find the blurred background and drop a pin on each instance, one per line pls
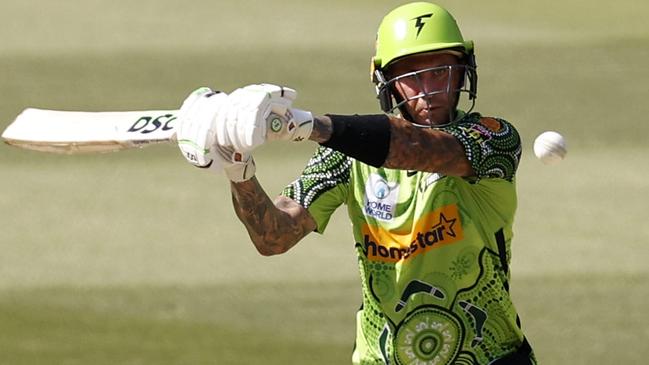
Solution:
(137, 258)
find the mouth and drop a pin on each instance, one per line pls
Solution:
(429, 110)
(431, 115)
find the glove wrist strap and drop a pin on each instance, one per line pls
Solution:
(303, 123)
(241, 172)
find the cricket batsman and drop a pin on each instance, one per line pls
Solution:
(429, 186)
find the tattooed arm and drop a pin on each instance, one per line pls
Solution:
(413, 148)
(273, 227)
(425, 149)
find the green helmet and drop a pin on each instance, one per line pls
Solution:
(414, 28)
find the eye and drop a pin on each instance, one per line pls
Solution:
(438, 72)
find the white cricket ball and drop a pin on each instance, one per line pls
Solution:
(550, 147)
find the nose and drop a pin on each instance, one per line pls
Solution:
(432, 82)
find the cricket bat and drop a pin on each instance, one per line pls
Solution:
(72, 132)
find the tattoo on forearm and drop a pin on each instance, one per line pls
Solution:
(273, 227)
(414, 148)
(322, 129)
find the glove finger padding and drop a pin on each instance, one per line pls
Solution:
(281, 99)
(275, 91)
(195, 133)
(242, 123)
(240, 112)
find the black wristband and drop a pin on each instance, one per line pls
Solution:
(365, 138)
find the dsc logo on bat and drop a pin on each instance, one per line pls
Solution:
(147, 124)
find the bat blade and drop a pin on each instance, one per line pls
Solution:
(71, 132)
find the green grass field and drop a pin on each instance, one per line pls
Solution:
(137, 258)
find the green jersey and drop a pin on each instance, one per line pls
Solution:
(433, 250)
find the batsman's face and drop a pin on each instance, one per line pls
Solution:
(428, 85)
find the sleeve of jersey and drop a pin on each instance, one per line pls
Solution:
(323, 185)
(492, 146)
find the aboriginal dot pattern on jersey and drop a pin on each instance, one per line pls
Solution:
(326, 169)
(373, 321)
(488, 294)
(492, 153)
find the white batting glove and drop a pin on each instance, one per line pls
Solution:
(197, 140)
(258, 113)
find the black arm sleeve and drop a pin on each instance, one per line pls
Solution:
(365, 138)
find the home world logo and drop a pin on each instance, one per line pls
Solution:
(380, 198)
